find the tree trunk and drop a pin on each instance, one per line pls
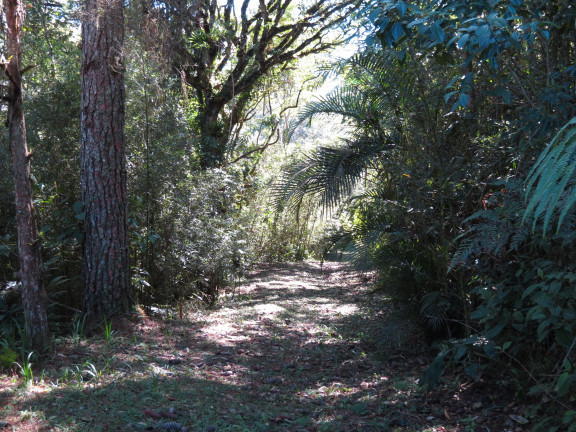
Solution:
(105, 265)
(213, 137)
(33, 293)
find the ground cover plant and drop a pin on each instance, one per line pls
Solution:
(295, 348)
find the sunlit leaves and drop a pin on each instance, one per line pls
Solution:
(401, 7)
(332, 173)
(462, 33)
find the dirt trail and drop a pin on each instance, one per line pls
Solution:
(297, 345)
(300, 347)
(292, 340)
(294, 349)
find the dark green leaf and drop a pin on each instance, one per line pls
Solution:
(564, 383)
(375, 14)
(401, 7)
(397, 31)
(483, 34)
(78, 207)
(437, 33)
(463, 40)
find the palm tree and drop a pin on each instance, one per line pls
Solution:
(369, 104)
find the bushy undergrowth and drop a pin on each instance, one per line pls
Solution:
(285, 236)
(199, 246)
(417, 171)
(523, 304)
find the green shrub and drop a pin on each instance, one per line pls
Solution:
(523, 296)
(200, 245)
(7, 357)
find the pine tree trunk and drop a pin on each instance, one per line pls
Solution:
(105, 266)
(33, 293)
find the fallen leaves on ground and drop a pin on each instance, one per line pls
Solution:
(295, 348)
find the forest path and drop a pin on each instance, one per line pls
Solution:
(292, 350)
(296, 343)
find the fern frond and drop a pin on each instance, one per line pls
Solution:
(552, 179)
(466, 249)
(491, 232)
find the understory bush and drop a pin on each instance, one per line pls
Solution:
(285, 236)
(199, 247)
(524, 303)
(403, 179)
(11, 316)
(433, 181)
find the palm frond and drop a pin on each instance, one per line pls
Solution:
(371, 98)
(398, 330)
(371, 103)
(350, 103)
(434, 310)
(376, 71)
(330, 173)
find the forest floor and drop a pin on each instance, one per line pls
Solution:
(294, 349)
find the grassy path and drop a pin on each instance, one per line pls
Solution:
(291, 351)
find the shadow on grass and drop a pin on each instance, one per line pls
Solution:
(264, 401)
(285, 355)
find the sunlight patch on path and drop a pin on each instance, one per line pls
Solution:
(220, 329)
(269, 308)
(346, 309)
(281, 306)
(327, 308)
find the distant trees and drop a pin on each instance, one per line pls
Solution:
(223, 53)
(29, 247)
(105, 266)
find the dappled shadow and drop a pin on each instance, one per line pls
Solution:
(292, 351)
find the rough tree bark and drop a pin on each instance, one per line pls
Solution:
(105, 265)
(34, 297)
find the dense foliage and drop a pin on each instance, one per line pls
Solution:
(453, 175)
(189, 226)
